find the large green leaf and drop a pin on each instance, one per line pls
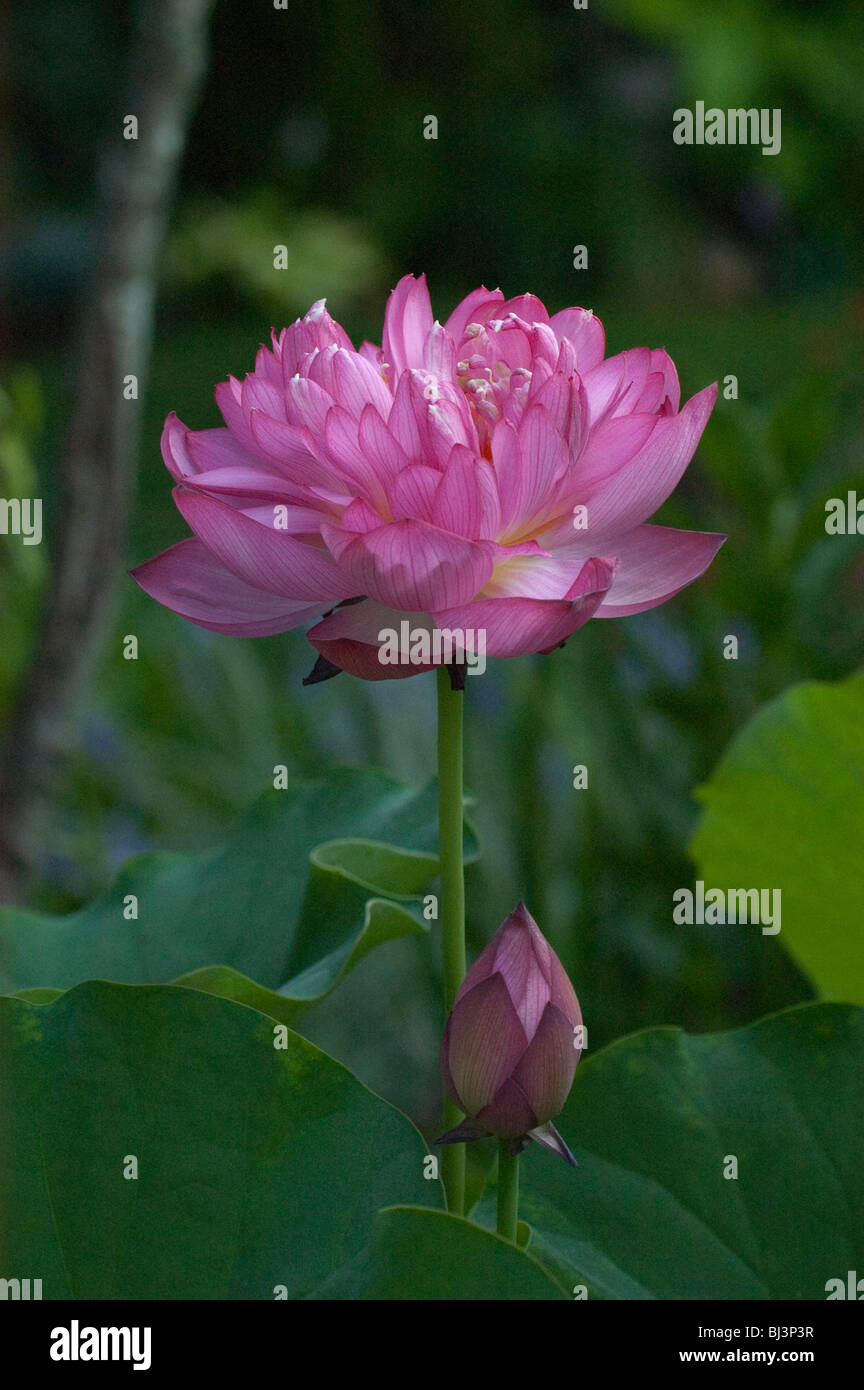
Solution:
(785, 809)
(654, 1119)
(316, 876)
(420, 1254)
(261, 1168)
(257, 1167)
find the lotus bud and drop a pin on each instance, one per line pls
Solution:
(513, 1040)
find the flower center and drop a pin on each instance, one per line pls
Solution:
(494, 389)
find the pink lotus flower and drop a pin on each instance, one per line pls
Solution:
(513, 1040)
(495, 473)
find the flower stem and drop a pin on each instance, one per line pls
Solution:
(508, 1191)
(450, 816)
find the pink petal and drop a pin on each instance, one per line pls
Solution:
(614, 387)
(485, 964)
(297, 521)
(268, 365)
(259, 555)
(662, 362)
(445, 428)
(306, 403)
(527, 307)
(219, 448)
(257, 393)
(505, 553)
(439, 352)
(467, 501)
(412, 493)
(342, 446)
(483, 1042)
(228, 398)
(349, 638)
(563, 995)
(360, 660)
(316, 330)
(528, 475)
(358, 384)
(412, 565)
(441, 417)
(563, 398)
(190, 581)
(289, 447)
(175, 449)
(537, 576)
(295, 344)
(518, 626)
(546, 1069)
(359, 516)
(508, 1114)
(402, 421)
(555, 395)
(638, 487)
(476, 307)
(325, 328)
(382, 449)
(407, 322)
(545, 346)
(609, 445)
(566, 363)
(580, 327)
(653, 393)
(318, 367)
(523, 959)
(246, 482)
(655, 562)
(510, 340)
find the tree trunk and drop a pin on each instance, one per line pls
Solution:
(97, 473)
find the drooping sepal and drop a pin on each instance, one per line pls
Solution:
(548, 1136)
(466, 1133)
(323, 670)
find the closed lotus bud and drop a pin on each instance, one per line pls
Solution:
(513, 1040)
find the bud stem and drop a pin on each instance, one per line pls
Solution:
(450, 820)
(508, 1191)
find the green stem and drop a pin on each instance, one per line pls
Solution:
(508, 1191)
(450, 813)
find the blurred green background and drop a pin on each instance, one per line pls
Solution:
(554, 130)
